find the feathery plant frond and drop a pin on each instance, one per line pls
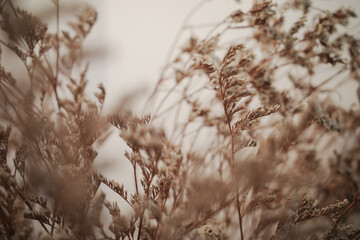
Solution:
(245, 140)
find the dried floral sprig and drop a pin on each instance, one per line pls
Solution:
(220, 156)
(310, 209)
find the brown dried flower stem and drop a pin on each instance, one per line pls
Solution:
(54, 220)
(147, 192)
(57, 51)
(239, 214)
(140, 225)
(228, 119)
(135, 179)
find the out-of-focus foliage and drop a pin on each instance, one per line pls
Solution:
(247, 158)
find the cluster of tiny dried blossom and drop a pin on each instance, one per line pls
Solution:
(52, 128)
(310, 209)
(241, 85)
(262, 143)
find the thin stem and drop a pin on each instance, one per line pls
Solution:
(57, 52)
(54, 220)
(135, 179)
(241, 27)
(183, 98)
(213, 29)
(140, 225)
(204, 25)
(239, 214)
(156, 230)
(232, 162)
(173, 45)
(183, 26)
(57, 39)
